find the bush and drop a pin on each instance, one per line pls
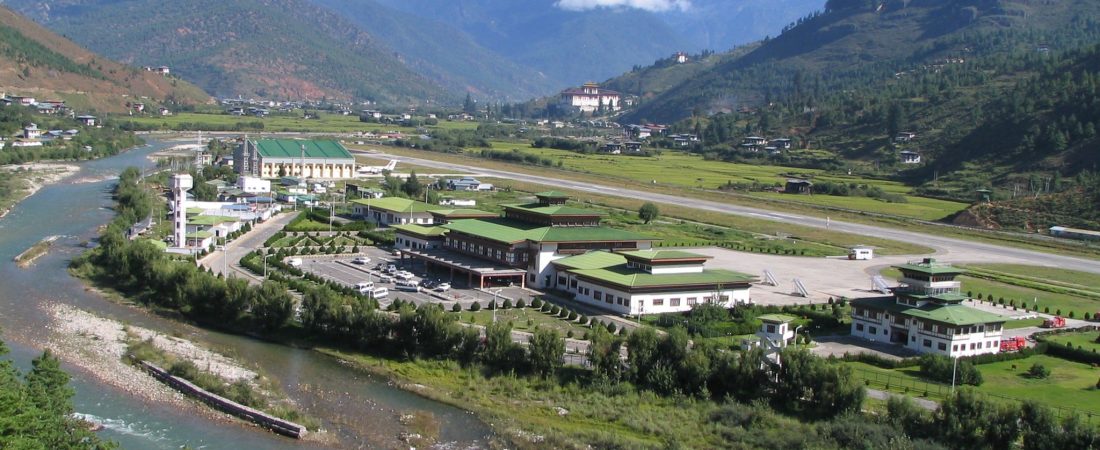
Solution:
(475, 306)
(569, 334)
(555, 310)
(1038, 371)
(520, 304)
(507, 304)
(572, 316)
(536, 303)
(456, 308)
(611, 327)
(941, 368)
(492, 305)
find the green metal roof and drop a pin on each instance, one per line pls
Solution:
(511, 231)
(463, 212)
(659, 255)
(397, 204)
(591, 260)
(554, 210)
(210, 220)
(622, 276)
(420, 230)
(781, 318)
(292, 148)
(552, 194)
(200, 235)
(952, 314)
(194, 210)
(930, 267)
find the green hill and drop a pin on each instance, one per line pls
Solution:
(265, 48)
(39, 63)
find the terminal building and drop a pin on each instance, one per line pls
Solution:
(926, 314)
(551, 245)
(275, 158)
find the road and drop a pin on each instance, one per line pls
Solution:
(241, 246)
(952, 249)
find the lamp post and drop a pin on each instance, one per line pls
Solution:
(954, 368)
(225, 259)
(265, 263)
(495, 305)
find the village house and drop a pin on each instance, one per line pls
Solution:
(88, 121)
(31, 131)
(681, 57)
(909, 157)
(905, 136)
(798, 186)
(926, 314)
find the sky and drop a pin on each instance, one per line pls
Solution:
(648, 5)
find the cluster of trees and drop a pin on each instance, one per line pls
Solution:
(943, 369)
(857, 190)
(36, 409)
(516, 156)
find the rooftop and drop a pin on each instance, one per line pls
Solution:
(552, 194)
(554, 210)
(420, 230)
(952, 314)
(512, 231)
(292, 148)
(611, 268)
(929, 266)
(778, 318)
(210, 220)
(397, 204)
(664, 255)
(464, 213)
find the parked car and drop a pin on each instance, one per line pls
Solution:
(406, 286)
(360, 260)
(391, 269)
(403, 275)
(294, 262)
(385, 279)
(443, 287)
(379, 292)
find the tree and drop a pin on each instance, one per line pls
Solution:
(546, 350)
(273, 307)
(412, 186)
(603, 354)
(648, 212)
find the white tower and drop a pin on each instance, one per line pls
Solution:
(181, 183)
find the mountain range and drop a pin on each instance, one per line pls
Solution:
(38, 63)
(404, 51)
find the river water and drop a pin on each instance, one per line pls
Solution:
(360, 411)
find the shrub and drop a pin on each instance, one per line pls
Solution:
(536, 303)
(569, 334)
(492, 305)
(555, 310)
(1038, 371)
(475, 306)
(572, 315)
(1071, 314)
(563, 313)
(520, 304)
(611, 327)
(507, 304)
(941, 368)
(456, 308)
(582, 319)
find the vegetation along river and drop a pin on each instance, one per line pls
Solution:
(360, 411)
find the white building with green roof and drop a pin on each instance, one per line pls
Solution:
(649, 281)
(926, 314)
(388, 211)
(274, 158)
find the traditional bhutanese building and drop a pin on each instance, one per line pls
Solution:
(590, 97)
(273, 158)
(519, 246)
(926, 314)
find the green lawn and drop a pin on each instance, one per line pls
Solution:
(690, 170)
(1071, 384)
(520, 317)
(1086, 340)
(1053, 274)
(1014, 324)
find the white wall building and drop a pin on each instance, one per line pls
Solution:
(253, 185)
(590, 97)
(926, 315)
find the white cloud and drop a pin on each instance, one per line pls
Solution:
(648, 5)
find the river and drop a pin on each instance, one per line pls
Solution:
(361, 411)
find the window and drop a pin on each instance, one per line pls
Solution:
(674, 302)
(859, 327)
(941, 346)
(771, 328)
(597, 295)
(692, 301)
(955, 348)
(626, 302)
(873, 330)
(573, 283)
(561, 279)
(658, 302)
(928, 343)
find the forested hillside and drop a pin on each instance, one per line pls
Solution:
(266, 48)
(36, 62)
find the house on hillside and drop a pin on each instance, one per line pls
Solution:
(905, 136)
(681, 57)
(31, 131)
(88, 121)
(798, 186)
(590, 98)
(909, 157)
(781, 143)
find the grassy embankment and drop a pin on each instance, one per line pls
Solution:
(1049, 290)
(786, 203)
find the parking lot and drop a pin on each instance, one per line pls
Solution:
(347, 271)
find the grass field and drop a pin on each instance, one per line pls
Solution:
(1086, 340)
(1071, 385)
(1024, 323)
(520, 318)
(692, 171)
(1053, 274)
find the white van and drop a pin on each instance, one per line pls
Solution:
(403, 275)
(406, 286)
(294, 262)
(379, 293)
(364, 287)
